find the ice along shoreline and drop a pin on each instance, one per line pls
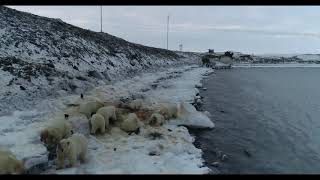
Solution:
(175, 152)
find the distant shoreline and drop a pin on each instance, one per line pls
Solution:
(284, 65)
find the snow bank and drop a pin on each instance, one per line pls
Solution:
(116, 152)
(189, 116)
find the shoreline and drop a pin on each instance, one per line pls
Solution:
(175, 85)
(196, 131)
(285, 65)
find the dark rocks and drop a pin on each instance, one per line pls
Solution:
(224, 157)
(154, 86)
(26, 70)
(198, 86)
(154, 153)
(155, 135)
(72, 86)
(22, 88)
(137, 131)
(36, 165)
(11, 81)
(145, 89)
(247, 153)
(106, 75)
(81, 78)
(215, 164)
(51, 65)
(66, 116)
(75, 67)
(95, 74)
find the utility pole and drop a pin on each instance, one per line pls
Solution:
(168, 33)
(101, 17)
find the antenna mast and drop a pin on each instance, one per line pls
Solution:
(101, 17)
(168, 33)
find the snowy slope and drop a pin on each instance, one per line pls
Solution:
(42, 57)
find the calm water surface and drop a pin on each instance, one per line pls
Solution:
(267, 120)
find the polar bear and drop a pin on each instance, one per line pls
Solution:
(9, 164)
(71, 148)
(168, 110)
(57, 130)
(156, 119)
(97, 122)
(108, 113)
(89, 108)
(144, 115)
(121, 113)
(136, 104)
(130, 123)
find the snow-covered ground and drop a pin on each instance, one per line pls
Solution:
(117, 152)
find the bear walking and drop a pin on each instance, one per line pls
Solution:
(71, 148)
(97, 121)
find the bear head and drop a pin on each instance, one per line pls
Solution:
(47, 136)
(64, 145)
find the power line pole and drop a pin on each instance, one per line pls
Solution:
(168, 33)
(101, 17)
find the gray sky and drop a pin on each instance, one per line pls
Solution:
(247, 29)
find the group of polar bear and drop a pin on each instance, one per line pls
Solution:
(60, 138)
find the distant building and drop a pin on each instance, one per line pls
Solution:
(211, 51)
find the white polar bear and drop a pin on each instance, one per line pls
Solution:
(89, 108)
(57, 130)
(130, 123)
(136, 104)
(168, 110)
(108, 113)
(9, 164)
(156, 119)
(121, 113)
(97, 122)
(71, 148)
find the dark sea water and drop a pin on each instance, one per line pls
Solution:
(267, 120)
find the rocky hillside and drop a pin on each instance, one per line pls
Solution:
(41, 57)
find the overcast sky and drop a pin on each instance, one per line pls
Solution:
(248, 29)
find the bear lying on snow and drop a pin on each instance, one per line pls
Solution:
(97, 121)
(9, 164)
(156, 119)
(130, 123)
(168, 110)
(136, 104)
(71, 148)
